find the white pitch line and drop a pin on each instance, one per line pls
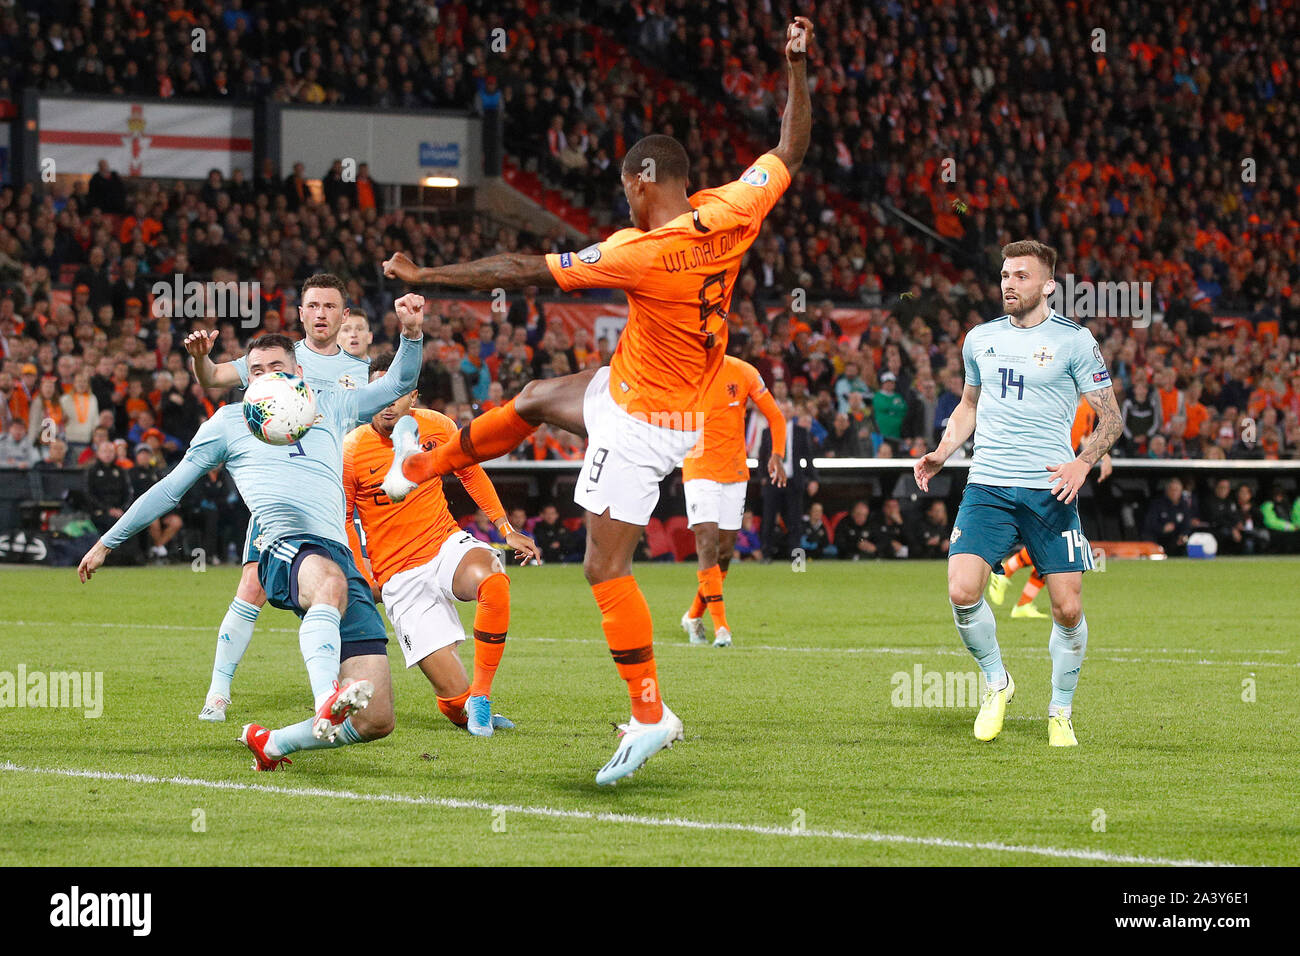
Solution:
(452, 803)
(659, 645)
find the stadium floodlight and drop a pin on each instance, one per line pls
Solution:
(443, 182)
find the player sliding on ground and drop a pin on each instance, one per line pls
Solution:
(1024, 374)
(714, 477)
(424, 562)
(644, 412)
(322, 311)
(295, 493)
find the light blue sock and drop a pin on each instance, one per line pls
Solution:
(1067, 646)
(979, 632)
(232, 642)
(286, 740)
(318, 638)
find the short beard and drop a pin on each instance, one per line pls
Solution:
(1025, 307)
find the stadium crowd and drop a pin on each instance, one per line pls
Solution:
(1114, 156)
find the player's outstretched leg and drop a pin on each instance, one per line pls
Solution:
(1067, 645)
(232, 642)
(371, 720)
(967, 574)
(498, 431)
(625, 619)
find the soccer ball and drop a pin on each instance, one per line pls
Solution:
(279, 408)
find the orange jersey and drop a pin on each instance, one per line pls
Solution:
(406, 535)
(720, 453)
(1084, 421)
(678, 279)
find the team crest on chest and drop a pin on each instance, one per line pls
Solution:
(1043, 356)
(348, 381)
(732, 389)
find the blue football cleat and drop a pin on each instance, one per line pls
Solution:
(479, 712)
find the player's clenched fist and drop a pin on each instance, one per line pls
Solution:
(401, 267)
(798, 38)
(410, 312)
(199, 344)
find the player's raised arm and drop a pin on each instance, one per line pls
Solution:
(796, 122)
(507, 271)
(206, 372)
(405, 370)
(961, 425)
(207, 451)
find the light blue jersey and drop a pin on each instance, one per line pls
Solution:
(1030, 381)
(319, 371)
(290, 489)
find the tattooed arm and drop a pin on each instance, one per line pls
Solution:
(1108, 428)
(508, 271)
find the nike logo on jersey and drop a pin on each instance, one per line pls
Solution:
(373, 470)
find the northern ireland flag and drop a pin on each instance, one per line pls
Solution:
(146, 138)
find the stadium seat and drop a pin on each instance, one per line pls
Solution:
(833, 522)
(676, 523)
(657, 538)
(573, 524)
(683, 544)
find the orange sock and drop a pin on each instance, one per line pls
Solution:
(454, 708)
(697, 606)
(625, 619)
(1017, 561)
(491, 621)
(1032, 587)
(491, 435)
(711, 588)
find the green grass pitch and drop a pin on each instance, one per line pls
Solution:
(795, 752)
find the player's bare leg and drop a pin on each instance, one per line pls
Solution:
(377, 719)
(1067, 645)
(625, 619)
(968, 575)
(480, 577)
(706, 551)
(498, 431)
(323, 592)
(232, 642)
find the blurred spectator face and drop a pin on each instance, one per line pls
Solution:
(860, 512)
(17, 429)
(517, 518)
(550, 515)
(1174, 490)
(105, 453)
(355, 336)
(1222, 488)
(816, 512)
(937, 512)
(1245, 497)
(1159, 446)
(57, 453)
(841, 423)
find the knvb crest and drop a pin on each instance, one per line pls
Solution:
(732, 390)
